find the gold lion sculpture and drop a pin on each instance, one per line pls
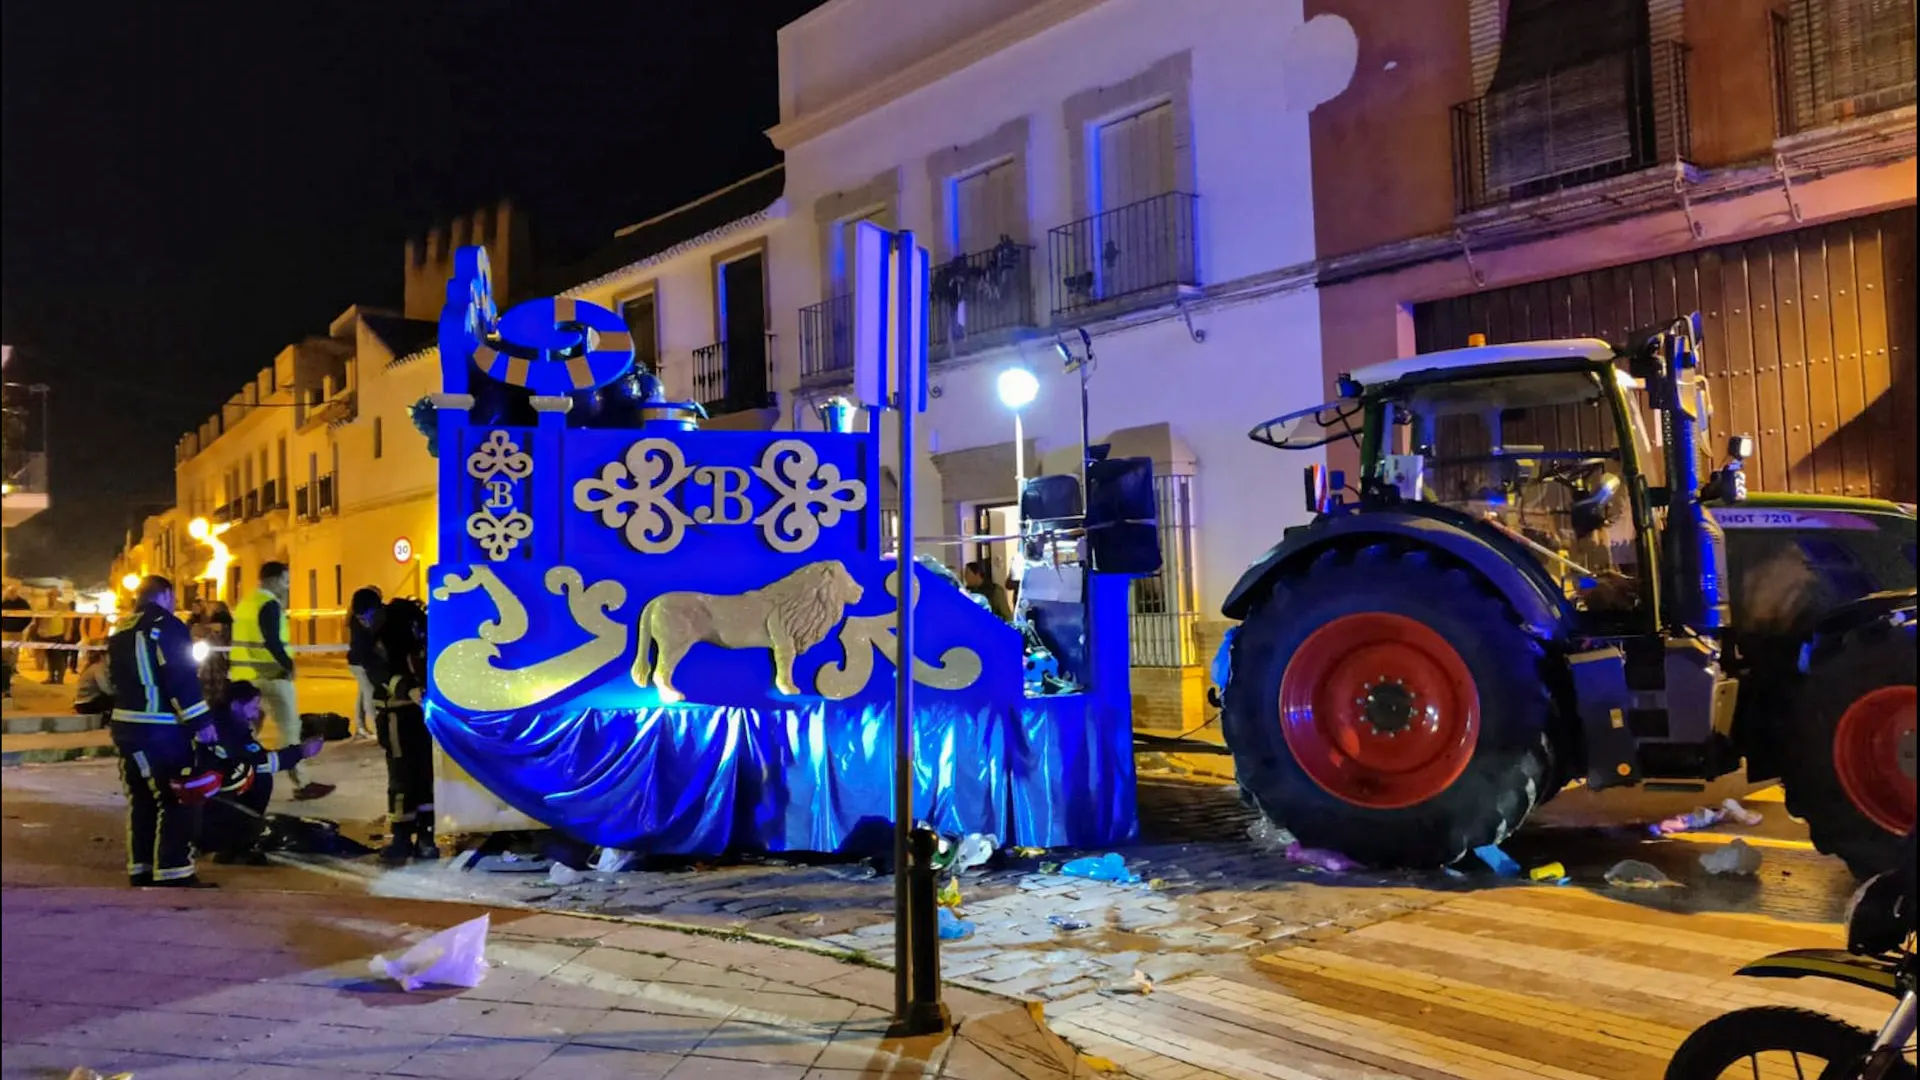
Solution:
(789, 617)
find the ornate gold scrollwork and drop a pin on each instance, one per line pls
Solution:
(653, 524)
(792, 469)
(500, 465)
(863, 635)
(465, 673)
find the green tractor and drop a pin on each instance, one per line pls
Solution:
(1531, 585)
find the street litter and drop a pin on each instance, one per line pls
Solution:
(1705, 817)
(975, 849)
(1331, 861)
(1501, 863)
(610, 860)
(562, 874)
(1108, 867)
(81, 1072)
(1552, 874)
(456, 956)
(1268, 835)
(949, 894)
(1634, 874)
(509, 863)
(1738, 858)
(1026, 852)
(1138, 984)
(1068, 922)
(953, 927)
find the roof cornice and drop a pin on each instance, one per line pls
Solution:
(925, 72)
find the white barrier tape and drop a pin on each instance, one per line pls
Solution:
(55, 647)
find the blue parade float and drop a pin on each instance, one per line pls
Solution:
(675, 641)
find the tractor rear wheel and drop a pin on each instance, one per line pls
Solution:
(1849, 767)
(1388, 706)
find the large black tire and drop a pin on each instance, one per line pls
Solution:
(1511, 762)
(1729, 1040)
(1840, 672)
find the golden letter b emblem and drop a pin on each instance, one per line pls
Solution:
(730, 504)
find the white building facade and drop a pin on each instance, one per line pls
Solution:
(1126, 167)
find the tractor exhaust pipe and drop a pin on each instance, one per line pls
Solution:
(1692, 547)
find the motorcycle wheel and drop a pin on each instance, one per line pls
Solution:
(1742, 1036)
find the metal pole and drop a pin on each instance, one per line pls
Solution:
(1014, 564)
(903, 636)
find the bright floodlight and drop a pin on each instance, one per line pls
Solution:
(1018, 388)
(201, 650)
(131, 582)
(198, 528)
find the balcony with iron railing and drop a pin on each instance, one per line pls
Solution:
(1611, 116)
(326, 497)
(826, 340)
(253, 505)
(303, 502)
(272, 497)
(981, 299)
(1133, 255)
(1841, 60)
(734, 377)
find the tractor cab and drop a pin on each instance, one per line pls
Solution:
(1554, 447)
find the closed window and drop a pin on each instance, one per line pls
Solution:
(987, 205)
(1134, 158)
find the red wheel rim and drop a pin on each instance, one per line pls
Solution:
(1873, 755)
(1379, 710)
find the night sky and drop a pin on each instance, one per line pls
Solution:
(189, 188)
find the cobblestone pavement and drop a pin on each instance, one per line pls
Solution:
(1218, 915)
(276, 986)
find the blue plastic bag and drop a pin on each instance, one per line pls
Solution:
(1108, 867)
(953, 927)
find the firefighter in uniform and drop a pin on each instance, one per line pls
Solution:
(235, 823)
(158, 717)
(399, 673)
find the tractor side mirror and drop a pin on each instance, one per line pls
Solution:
(1740, 447)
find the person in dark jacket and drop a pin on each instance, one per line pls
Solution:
(236, 819)
(362, 613)
(400, 683)
(158, 717)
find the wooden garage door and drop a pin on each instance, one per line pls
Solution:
(1810, 342)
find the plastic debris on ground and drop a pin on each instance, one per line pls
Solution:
(1501, 863)
(1026, 852)
(561, 874)
(1332, 862)
(1108, 867)
(456, 956)
(974, 850)
(949, 894)
(953, 927)
(1634, 874)
(81, 1072)
(1738, 858)
(1268, 835)
(610, 860)
(1740, 815)
(1068, 922)
(1700, 817)
(1552, 873)
(1138, 984)
(509, 863)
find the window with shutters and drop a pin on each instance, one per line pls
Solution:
(1838, 60)
(1140, 239)
(988, 206)
(1134, 158)
(986, 284)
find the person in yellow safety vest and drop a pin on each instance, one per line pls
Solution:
(260, 657)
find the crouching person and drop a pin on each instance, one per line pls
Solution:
(234, 821)
(399, 674)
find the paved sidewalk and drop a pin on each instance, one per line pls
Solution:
(275, 986)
